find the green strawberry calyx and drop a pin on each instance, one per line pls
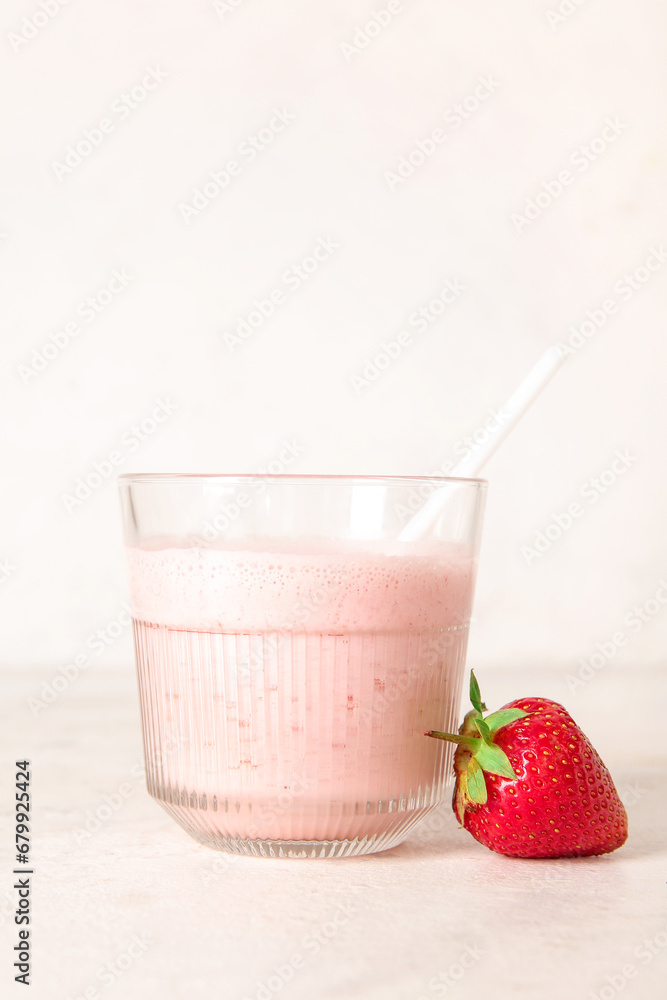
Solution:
(476, 751)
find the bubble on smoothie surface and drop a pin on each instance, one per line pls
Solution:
(305, 585)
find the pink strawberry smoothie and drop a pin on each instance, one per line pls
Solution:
(286, 686)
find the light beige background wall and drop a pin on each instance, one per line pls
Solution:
(558, 104)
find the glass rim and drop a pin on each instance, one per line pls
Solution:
(308, 479)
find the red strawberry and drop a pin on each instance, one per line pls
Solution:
(529, 784)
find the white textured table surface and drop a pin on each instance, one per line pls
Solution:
(136, 909)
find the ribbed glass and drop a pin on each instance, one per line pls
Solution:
(293, 644)
(298, 744)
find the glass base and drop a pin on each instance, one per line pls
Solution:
(211, 835)
(309, 849)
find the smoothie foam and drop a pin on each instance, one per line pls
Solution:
(260, 587)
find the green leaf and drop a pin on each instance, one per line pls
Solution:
(475, 782)
(503, 717)
(483, 730)
(494, 760)
(475, 694)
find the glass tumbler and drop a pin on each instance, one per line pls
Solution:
(292, 649)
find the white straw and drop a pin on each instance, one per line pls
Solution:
(507, 419)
